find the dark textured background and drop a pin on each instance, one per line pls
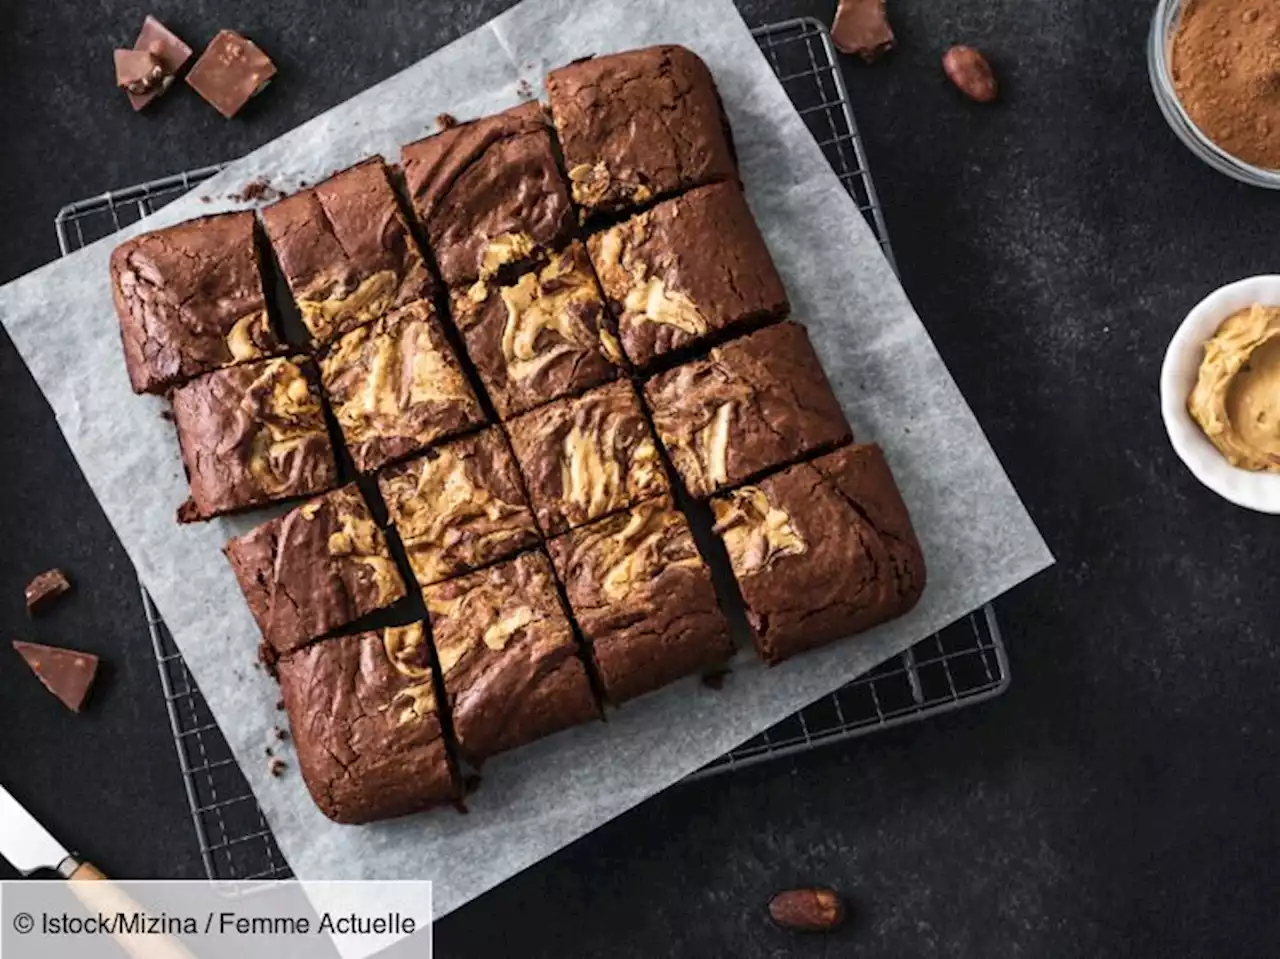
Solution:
(1120, 800)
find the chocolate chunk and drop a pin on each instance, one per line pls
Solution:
(276, 767)
(66, 673)
(45, 588)
(862, 27)
(230, 72)
(138, 71)
(167, 47)
(444, 121)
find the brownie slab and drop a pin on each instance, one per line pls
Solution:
(396, 386)
(542, 337)
(752, 405)
(587, 457)
(685, 270)
(510, 662)
(638, 125)
(314, 570)
(459, 506)
(821, 551)
(346, 252)
(189, 299)
(252, 434)
(488, 193)
(366, 725)
(643, 597)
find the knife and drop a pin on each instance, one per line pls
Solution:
(29, 847)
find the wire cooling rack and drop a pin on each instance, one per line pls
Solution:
(958, 666)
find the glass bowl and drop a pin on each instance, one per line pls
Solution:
(1160, 65)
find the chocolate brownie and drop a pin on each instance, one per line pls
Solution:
(488, 193)
(366, 725)
(542, 337)
(587, 457)
(190, 300)
(638, 125)
(510, 662)
(752, 405)
(821, 551)
(252, 434)
(685, 270)
(396, 386)
(458, 507)
(315, 569)
(346, 252)
(643, 597)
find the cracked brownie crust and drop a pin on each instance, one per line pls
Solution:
(315, 569)
(189, 299)
(638, 125)
(509, 659)
(346, 251)
(366, 725)
(587, 457)
(542, 337)
(753, 404)
(459, 507)
(396, 387)
(821, 551)
(685, 270)
(643, 597)
(252, 434)
(488, 193)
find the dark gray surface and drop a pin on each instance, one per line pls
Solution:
(1120, 800)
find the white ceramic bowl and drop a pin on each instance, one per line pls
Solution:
(1257, 491)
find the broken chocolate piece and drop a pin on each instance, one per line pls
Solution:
(138, 71)
(231, 71)
(45, 588)
(862, 27)
(167, 47)
(276, 767)
(66, 673)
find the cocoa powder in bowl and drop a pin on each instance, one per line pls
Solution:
(1226, 71)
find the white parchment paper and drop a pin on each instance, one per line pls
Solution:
(978, 539)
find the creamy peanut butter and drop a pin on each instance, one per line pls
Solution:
(283, 399)
(327, 308)
(756, 533)
(403, 646)
(1236, 399)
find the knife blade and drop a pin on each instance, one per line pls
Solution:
(24, 842)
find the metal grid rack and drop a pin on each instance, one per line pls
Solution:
(956, 667)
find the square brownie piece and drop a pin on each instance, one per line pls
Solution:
(488, 193)
(315, 569)
(346, 251)
(542, 337)
(190, 300)
(821, 551)
(252, 434)
(643, 597)
(752, 405)
(459, 507)
(639, 125)
(509, 658)
(396, 386)
(366, 725)
(587, 457)
(688, 269)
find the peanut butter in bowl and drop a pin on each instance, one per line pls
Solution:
(1236, 398)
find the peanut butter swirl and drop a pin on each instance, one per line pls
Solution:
(405, 647)
(286, 418)
(755, 532)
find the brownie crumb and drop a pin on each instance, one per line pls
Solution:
(524, 91)
(268, 751)
(446, 120)
(259, 189)
(206, 199)
(166, 415)
(276, 767)
(280, 705)
(280, 734)
(715, 679)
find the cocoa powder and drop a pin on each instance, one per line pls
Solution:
(1226, 71)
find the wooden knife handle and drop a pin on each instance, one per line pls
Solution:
(100, 895)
